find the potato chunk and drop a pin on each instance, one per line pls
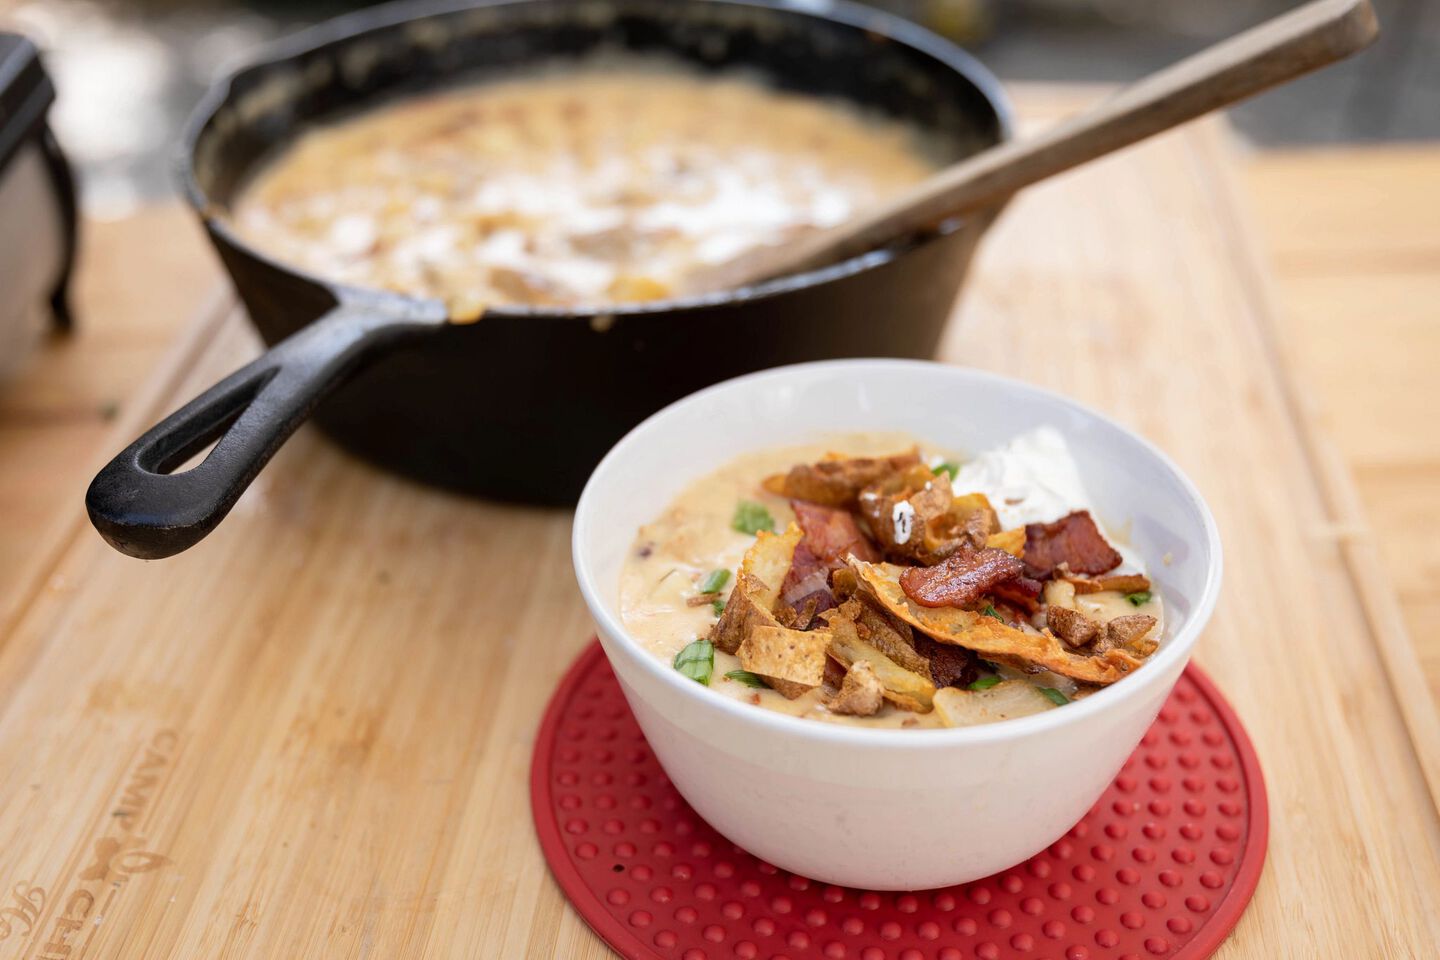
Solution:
(1004, 701)
(757, 588)
(904, 688)
(861, 694)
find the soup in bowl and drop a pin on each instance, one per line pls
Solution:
(868, 800)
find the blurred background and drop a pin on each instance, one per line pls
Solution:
(128, 71)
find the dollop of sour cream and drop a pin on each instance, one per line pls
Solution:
(902, 516)
(1032, 478)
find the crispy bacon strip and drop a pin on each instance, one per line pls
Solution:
(961, 580)
(805, 590)
(1073, 540)
(831, 534)
(987, 636)
(801, 616)
(950, 666)
(1022, 593)
(837, 482)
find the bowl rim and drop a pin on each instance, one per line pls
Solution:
(397, 13)
(1176, 649)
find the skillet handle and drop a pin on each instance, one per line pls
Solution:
(144, 509)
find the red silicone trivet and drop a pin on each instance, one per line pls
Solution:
(1163, 865)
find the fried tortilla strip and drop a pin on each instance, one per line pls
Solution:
(961, 579)
(1123, 582)
(837, 481)
(1074, 540)
(987, 636)
(757, 588)
(861, 693)
(791, 661)
(904, 688)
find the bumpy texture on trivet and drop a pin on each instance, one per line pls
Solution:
(1162, 866)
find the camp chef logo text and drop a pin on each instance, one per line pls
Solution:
(57, 922)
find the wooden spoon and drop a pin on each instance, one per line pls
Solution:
(1278, 50)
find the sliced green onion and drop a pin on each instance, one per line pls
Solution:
(751, 517)
(984, 683)
(718, 606)
(1138, 599)
(697, 661)
(715, 581)
(1054, 696)
(990, 611)
(745, 677)
(950, 467)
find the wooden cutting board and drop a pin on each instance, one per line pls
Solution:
(309, 736)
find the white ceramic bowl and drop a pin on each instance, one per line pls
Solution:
(891, 809)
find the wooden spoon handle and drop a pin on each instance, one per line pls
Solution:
(1278, 50)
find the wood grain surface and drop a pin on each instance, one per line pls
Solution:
(1353, 238)
(140, 281)
(309, 736)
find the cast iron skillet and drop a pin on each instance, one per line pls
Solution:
(522, 404)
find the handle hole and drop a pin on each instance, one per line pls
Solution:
(195, 459)
(187, 448)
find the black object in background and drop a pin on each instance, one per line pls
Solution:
(38, 226)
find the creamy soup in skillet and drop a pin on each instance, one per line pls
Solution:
(874, 580)
(591, 186)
